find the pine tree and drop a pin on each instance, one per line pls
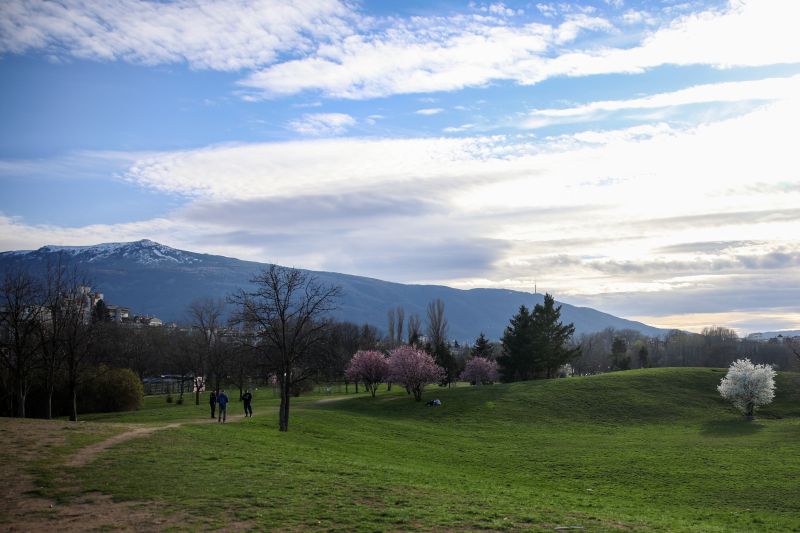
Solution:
(516, 363)
(551, 337)
(536, 344)
(482, 348)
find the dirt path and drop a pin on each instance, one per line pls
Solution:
(86, 455)
(24, 506)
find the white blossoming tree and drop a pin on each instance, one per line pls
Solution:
(748, 386)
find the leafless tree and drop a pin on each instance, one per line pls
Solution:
(77, 332)
(414, 329)
(286, 310)
(391, 323)
(51, 328)
(793, 344)
(20, 314)
(206, 316)
(401, 315)
(437, 323)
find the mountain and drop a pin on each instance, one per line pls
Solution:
(153, 279)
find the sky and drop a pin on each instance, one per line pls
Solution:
(641, 158)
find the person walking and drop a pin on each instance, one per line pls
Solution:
(247, 398)
(222, 400)
(212, 401)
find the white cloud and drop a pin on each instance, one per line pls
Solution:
(327, 46)
(429, 111)
(422, 55)
(458, 129)
(470, 54)
(210, 34)
(318, 124)
(740, 91)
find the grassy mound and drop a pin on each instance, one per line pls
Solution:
(641, 450)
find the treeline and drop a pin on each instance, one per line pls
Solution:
(611, 349)
(61, 354)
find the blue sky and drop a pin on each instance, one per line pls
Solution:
(637, 157)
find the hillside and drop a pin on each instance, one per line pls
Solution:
(645, 450)
(153, 279)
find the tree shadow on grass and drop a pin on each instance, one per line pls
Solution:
(731, 428)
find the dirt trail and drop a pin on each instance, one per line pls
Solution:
(86, 455)
(23, 506)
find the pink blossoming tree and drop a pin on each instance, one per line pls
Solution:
(370, 368)
(479, 370)
(413, 369)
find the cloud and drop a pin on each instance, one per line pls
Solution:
(318, 124)
(741, 91)
(206, 34)
(330, 47)
(420, 55)
(429, 111)
(458, 129)
(618, 219)
(428, 56)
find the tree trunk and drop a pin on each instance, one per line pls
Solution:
(21, 396)
(50, 401)
(417, 393)
(73, 416)
(283, 416)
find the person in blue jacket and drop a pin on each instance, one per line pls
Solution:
(222, 400)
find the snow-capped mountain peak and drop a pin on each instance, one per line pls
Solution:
(144, 252)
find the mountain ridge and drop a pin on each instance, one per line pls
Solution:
(155, 279)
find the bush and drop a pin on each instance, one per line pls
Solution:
(107, 389)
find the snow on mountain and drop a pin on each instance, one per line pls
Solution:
(144, 252)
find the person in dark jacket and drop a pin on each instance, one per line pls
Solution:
(247, 398)
(212, 401)
(222, 400)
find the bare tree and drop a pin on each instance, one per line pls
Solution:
(20, 314)
(401, 315)
(391, 322)
(437, 323)
(793, 343)
(207, 321)
(77, 333)
(414, 329)
(50, 328)
(286, 312)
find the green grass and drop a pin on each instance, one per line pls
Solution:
(641, 450)
(156, 409)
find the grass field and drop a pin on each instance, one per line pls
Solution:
(654, 450)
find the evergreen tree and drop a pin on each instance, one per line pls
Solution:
(483, 348)
(536, 343)
(516, 363)
(552, 337)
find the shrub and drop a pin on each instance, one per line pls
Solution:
(111, 390)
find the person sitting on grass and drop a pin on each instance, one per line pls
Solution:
(247, 398)
(222, 400)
